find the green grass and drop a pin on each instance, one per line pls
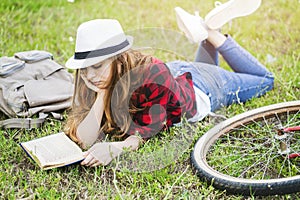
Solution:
(51, 25)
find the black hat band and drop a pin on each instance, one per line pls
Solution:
(100, 52)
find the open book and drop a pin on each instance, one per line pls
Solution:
(53, 151)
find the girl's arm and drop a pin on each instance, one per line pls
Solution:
(102, 153)
(88, 129)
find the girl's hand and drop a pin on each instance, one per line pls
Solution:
(102, 154)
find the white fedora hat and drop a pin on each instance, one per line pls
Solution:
(98, 40)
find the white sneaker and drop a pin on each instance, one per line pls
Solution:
(223, 13)
(191, 25)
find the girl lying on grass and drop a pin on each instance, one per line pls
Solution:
(124, 93)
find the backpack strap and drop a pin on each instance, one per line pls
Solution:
(27, 123)
(10, 65)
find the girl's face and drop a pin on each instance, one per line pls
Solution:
(94, 76)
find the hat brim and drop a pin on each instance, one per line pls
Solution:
(73, 63)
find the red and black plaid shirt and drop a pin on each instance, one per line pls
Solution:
(163, 100)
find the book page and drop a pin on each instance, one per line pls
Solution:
(56, 149)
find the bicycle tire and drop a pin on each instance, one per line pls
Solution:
(244, 186)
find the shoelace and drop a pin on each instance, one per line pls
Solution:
(217, 3)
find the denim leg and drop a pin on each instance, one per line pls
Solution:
(224, 87)
(250, 78)
(207, 53)
(239, 87)
(240, 60)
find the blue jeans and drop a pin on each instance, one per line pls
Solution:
(249, 77)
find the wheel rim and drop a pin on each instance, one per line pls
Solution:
(251, 154)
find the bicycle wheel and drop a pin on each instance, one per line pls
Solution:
(243, 154)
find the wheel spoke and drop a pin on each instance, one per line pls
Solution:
(252, 148)
(254, 144)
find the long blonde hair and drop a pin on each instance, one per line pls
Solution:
(119, 87)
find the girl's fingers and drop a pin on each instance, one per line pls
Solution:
(87, 160)
(92, 162)
(85, 154)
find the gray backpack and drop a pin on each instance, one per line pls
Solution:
(31, 83)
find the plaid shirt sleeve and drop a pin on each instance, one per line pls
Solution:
(162, 101)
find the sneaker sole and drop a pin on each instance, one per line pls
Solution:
(233, 9)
